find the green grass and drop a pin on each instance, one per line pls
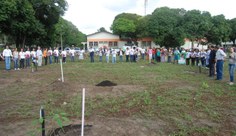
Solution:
(176, 94)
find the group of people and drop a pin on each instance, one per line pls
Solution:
(212, 58)
(26, 58)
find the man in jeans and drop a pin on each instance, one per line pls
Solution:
(220, 56)
(7, 56)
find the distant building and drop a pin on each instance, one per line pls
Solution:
(107, 39)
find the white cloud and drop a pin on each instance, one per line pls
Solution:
(90, 15)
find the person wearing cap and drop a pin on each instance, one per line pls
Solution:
(7, 54)
(220, 56)
(232, 65)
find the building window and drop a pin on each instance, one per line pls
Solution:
(144, 43)
(115, 44)
(149, 43)
(90, 43)
(95, 43)
(110, 44)
(101, 42)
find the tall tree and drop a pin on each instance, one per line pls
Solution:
(102, 29)
(220, 31)
(165, 27)
(197, 24)
(232, 36)
(69, 32)
(125, 25)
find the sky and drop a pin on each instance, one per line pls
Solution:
(90, 15)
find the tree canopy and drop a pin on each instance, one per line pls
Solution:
(169, 27)
(31, 22)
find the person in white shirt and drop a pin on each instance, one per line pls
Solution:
(208, 57)
(81, 54)
(50, 55)
(220, 56)
(203, 57)
(56, 55)
(114, 56)
(22, 58)
(39, 55)
(7, 54)
(33, 57)
(188, 54)
(107, 52)
(91, 53)
(127, 54)
(143, 53)
(63, 54)
(72, 54)
(27, 58)
(131, 55)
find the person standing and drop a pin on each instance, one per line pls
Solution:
(203, 57)
(188, 54)
(150, 54)
(22, 58)
(56, 55)
(232, 65)
(114, 56)
(127, 54)
(39, 55)
(91, 53)
(143, 53)
(27, 58)
(81, 54)
(100, 54)
(121, 55)
(72, 54)
(212, 62)
(220, 56)
(169, 53)
(107, 52)
(131, 55)
(16, 59)
(63, 54)
(45, 56)
(176, 56)
(7, 54)
(50, 55)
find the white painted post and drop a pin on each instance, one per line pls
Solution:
(83, 107)
(62, 77)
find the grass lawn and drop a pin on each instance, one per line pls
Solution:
(149, 99)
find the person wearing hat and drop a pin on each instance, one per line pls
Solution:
(220, 56)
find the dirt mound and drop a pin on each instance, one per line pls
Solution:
(106, 83)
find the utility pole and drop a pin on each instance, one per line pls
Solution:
(145, 7)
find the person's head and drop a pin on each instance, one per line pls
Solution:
(231, 50)
(7, 47)
(21, 49)
(39, 48)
